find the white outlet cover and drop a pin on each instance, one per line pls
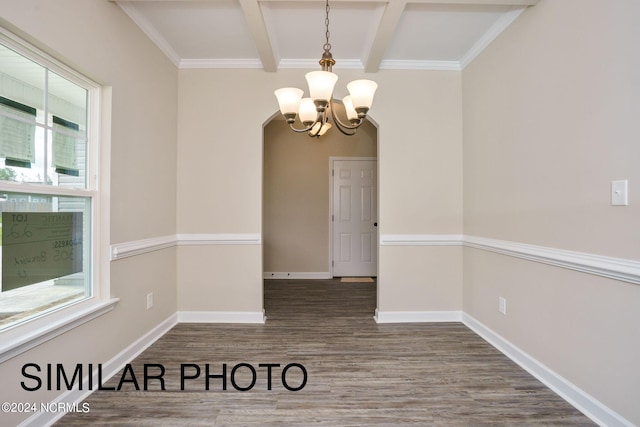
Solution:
(620, 193)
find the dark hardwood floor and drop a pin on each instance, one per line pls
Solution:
(359, 373)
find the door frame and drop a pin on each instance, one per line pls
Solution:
(332, 159)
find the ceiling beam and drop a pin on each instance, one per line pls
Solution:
(258, 29)
(384, 34)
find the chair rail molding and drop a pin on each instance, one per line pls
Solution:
(614, 268)
(138, 247)
(625, 270)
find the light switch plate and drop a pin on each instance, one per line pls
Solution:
(620, 193)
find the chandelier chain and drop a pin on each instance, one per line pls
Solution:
(327, 45)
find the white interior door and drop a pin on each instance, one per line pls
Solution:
(354, 218)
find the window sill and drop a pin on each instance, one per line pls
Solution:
(21, 338)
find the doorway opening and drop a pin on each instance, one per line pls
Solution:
(298, 212)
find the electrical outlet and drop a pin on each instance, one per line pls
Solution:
(149, 300)
(502, 305)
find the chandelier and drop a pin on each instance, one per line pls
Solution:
(314, 111)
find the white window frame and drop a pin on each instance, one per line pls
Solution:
(26, 335)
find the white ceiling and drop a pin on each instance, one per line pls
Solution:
(364, 34)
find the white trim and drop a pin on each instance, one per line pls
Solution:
(304, 64)
(138, 247)
(219, 239)
(625, 270)
(421, 240)
(109, 369)
(49, 190)
(487, 38)
(49, 324)
(582, 401)
(417, 316)
(614, 268)
(37, 54)
(388, 64)
(21, 338)
(351, 64)
(206, 63)
(296, 275)
(102, 205)
(150, 30)
(428, 65)
(221, 317)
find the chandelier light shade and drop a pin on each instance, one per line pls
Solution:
(313, 112)
(289, 99)
(307, 111)
(349, 109)
(361, 92)
(321, 84)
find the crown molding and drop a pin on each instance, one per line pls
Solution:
(354, 64)
(220, 63)
(487, 38)
(306, 64)
(398, 64)
(267, 59)
(150, 31)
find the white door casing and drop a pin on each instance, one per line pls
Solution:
(354, 217)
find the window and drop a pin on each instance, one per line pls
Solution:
(48, 186)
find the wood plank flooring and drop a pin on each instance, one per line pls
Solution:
(359, 373)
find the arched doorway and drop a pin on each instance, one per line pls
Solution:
(296, 216)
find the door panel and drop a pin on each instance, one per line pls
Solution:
(354, 214)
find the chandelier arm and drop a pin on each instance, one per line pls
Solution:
(344, 132)
(307, 129)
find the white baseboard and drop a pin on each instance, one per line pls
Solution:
(221, 317)
(109, 369)
(417, 316)
(296, 275)
(585, 403)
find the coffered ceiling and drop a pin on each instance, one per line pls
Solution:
(364, 34)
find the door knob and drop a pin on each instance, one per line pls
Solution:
(375, 224)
